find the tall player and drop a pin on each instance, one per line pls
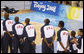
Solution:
(18, 36)
(62, 38)
(7, 39)
(48, 35)
(30, 34)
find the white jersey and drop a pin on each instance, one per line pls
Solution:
(64, 39)
(9, 24)
(2, 33)
(30, 30)
(48, 31)
(19, 29)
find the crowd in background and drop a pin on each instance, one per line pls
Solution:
(71, 3)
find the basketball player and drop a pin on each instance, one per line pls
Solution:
(30, 34)
(7, 39)
(48, 35)
(18, 36)
(62, 39)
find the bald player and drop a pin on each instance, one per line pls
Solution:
(30, 34)
(7, 28)
(18, 36)
(48, 35)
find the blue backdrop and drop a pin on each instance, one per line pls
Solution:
(45, 7)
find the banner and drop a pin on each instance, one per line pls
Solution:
(45, 7)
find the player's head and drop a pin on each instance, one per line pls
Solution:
(16, 19)
(80, 32)
(73, 33)
(46, 21)
(61, 24)
(27, 20)
(6, 15)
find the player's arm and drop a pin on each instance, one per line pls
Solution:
(45, 41)
(33, 41)
(68, 41)
(59, 39)
(53, 38)
(61, 44)
(9, 34)
(42, 36)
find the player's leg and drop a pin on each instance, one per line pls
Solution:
(5, 43)
(10, 44)
(21, 47)
(31, 48)
(44, 47)
(26, 46)
(15, 44)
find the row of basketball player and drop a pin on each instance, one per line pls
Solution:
(18, 36)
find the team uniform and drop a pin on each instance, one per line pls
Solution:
(73, 47)
(63, 36)
(2, 34)
(48, 32)
(80, 44)
(17, 33)
(7, 40)
(30, 34)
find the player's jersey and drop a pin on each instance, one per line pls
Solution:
(7, 25)
(29, 32)
(18, 29)
(63, 36)
(81, 50)
(72, 45)
(48, 32)
(80, 44)
(2, 33)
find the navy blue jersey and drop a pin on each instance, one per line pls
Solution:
(79, 42)
(48, 32)
(72, 45)
(18, 29)
(29, 32)
(63, 36)
(7, 25)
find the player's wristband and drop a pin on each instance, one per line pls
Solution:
(24, 38)
(13, 34)
(4, 31)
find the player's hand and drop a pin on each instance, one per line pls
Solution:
(49, 45)
(21, 40)
(32, 43)
(75, 41)
(65, 50)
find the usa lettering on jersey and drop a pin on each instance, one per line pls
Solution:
(64, 37)
(9, 24)
(30, 30)
(19, 29)
(48, 31)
